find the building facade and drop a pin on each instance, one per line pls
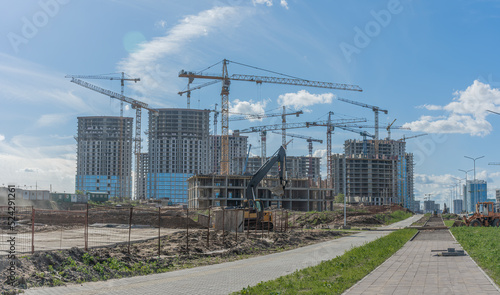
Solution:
(476, 191)
(376, 172)
(178, 149)
(237, 150)
(143, 176)
(104, 155)
(296, 166)
(218, 190)
(458, 206)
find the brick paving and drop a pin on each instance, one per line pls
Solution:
(414, 269)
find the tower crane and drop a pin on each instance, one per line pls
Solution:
(414, 136)
(362, 133)
(137, 105)
(263, 133)
(226, 79)
(310, 141)
(329, 123)
(375, 110)
(389, 129)
(494, 163)
(106, 77)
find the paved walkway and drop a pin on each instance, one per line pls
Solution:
(228, 277)
(414, 269)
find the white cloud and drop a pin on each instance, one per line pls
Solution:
(303, 99)
(466, 114)
(248, 107)
(266, 2)
(147, 61)
(2, 137)
(52, 119)
(284, 4)
(161, 24)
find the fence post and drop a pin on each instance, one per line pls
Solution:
(159, 231)
(130, 227)
(248, 222)
(187, 230)
(223, 228)
(208, 228)
(237, 225)
(269, 223)
(86, 234)
(32, 230)
(281, 220)
(286, 221)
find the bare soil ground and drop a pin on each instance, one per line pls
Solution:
(356, 215)
(59, 267)
(54, 268)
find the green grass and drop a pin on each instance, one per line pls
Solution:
(393, 217)
(483, 245)
(336, 275)
(449, 223)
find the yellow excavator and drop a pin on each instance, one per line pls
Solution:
(256, 217)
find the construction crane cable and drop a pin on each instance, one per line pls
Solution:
(269, 71)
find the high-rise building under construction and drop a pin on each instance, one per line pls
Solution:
(178, 149)
(374, 172)
(104, 155)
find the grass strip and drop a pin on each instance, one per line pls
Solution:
(336, 275)
(449, 223)
(483, 245)
(393, 217)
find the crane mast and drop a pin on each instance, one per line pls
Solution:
(137, 105)
(226, 81)
(375, 110)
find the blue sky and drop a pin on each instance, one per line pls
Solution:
(432, 64)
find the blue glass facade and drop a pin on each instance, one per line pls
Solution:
(173, 186)
(101, 183)
(477, 191)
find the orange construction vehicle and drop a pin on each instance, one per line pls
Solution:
(485, 215)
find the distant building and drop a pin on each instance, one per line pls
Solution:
(457, 206)
(475, 191)
(429, 206)
(104, 155)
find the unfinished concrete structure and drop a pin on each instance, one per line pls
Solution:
(237, 149)
(296, 166)
(219, 190)
(376, 172)
(104, 155)
(178, 149)
(143, 176)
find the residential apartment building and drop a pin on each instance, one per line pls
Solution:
(104, 155)
(178, 149)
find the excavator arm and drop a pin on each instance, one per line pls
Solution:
(279, 157)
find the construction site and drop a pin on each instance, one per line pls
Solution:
(198, 196)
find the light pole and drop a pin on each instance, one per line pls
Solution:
(465, 192)
(474, 159)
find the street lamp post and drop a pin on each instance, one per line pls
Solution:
(465, 192)
(474, 159)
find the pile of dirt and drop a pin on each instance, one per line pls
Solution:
(53, 268)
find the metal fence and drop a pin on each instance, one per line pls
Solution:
(101, 226)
